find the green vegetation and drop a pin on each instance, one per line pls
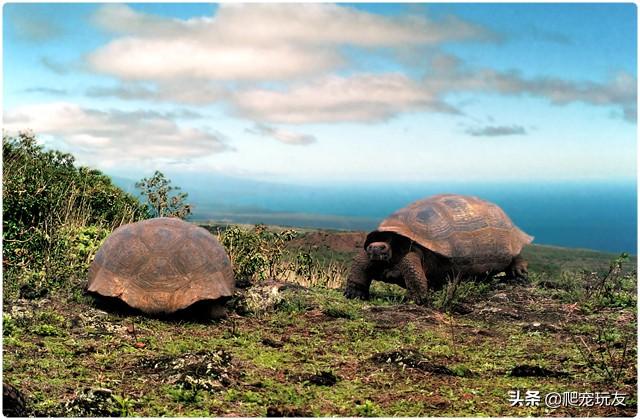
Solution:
(255, 253)
(316, 353)
(457, 290)
(161, 199)
(310, 269)
(54, 216)
(554, 260)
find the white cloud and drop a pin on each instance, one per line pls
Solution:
(378, 97)
(283, 136)
(256, 42)
(328, 24)
(112, 137)
(450, 75)
(226, 58)
(361, 98)
(162, 59)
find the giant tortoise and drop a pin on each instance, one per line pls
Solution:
(439, 236)
(163, 265)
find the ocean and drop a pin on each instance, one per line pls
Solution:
(591, 215)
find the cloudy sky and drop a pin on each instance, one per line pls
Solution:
(324, 92)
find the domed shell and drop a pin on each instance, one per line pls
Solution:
(470, 231)
(161, 265)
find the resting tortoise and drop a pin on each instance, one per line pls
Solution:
(448, 234)
(163, 265)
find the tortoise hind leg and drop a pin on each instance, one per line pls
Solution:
(414, 277)
(518, 269)
(360, 278)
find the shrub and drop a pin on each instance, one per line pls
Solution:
(612, 289)
(50, 204)
(160, 199)
(456, 291)
(304, 265)
(609, 354)
(78, 245)
(312, 270)
(256, 253)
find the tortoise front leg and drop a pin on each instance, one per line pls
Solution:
(518, 269)
(360, 278)
(414, 277)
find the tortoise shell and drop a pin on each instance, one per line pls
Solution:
(475, 234)
(161, 265)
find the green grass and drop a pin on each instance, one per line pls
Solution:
(553, 260)
(58, 350)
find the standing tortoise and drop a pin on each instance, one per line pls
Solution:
(163, 265)
(436, 237)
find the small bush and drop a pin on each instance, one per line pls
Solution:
(256, 254)
(461, 370)
(161, 198)
(75, 249)
(610, 352)
(613, 289)
(386, 294)
(27, 283)
(456, 291)
(71, 256)
(317, 271)
(304, 265)
(124, 404)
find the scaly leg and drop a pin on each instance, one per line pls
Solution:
(518, 269)
(414, 277)
(360, 277)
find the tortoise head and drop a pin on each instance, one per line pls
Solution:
(379, 246)
(382, 246)
(379, 251)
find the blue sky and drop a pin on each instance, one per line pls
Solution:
(327, 93)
